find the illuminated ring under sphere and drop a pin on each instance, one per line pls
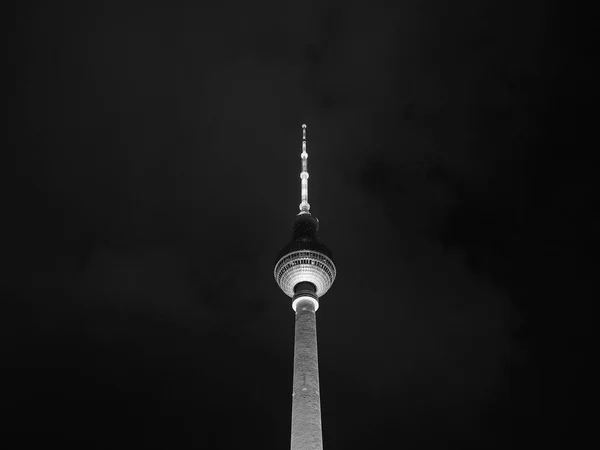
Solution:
(304, 265)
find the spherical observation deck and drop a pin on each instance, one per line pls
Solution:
(305, 259)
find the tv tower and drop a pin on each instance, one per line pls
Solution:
(305, 272)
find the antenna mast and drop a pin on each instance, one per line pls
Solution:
(304, 205)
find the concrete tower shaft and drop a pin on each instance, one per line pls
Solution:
(306, 401)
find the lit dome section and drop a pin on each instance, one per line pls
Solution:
(305, 266)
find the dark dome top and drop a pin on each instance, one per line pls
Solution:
(305, 225)
(304, 237)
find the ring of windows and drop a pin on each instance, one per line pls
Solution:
(312, 266)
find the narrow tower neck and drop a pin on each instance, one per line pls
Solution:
(304, 205)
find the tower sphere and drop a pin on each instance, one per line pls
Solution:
(304, 259)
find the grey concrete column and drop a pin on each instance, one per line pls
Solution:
(306, 403)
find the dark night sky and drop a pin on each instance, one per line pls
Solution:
(157, 158)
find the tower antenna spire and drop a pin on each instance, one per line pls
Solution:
(304, 205)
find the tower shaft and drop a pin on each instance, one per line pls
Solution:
(306, 403)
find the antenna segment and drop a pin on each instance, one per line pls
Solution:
(304, 205)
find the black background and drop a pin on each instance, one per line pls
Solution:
(157, 157)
